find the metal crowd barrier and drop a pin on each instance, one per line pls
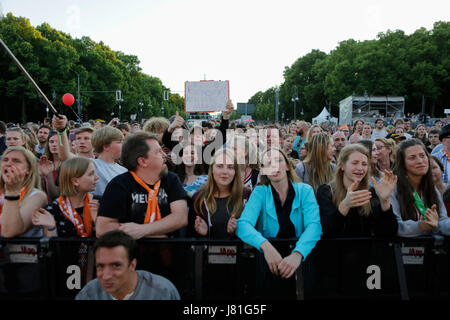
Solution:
(398, 268)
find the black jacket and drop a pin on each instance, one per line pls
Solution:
(378, 224)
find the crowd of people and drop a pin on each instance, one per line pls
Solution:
(222, 179)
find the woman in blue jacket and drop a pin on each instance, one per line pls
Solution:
(281, 208)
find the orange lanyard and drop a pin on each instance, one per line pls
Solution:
(446, 154)
(152, 214)
(83, 226)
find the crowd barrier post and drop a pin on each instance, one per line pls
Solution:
(401, 272)
(198, 272)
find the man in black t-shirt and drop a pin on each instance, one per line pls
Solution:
(127, 201)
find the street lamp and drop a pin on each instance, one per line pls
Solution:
(277, 92)
(119, 99)
(53, 101)
(140, 106)
(295, 99)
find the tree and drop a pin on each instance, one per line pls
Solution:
(55, 60)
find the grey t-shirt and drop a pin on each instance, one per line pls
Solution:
(302, 171)
(378, 134)
(410, 228)
(149, 287)
(106, 172)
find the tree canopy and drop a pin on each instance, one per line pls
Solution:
(393, 64)
(55, 60)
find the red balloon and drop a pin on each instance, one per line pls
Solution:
(68, 99)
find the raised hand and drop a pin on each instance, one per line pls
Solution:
(354, 198)
(59, 124)
(200, 226)
(45, 166)
(230, 108)
(386, 186)
(93, 206)
(176, 123)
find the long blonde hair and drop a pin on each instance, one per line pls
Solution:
(338, 188)
(390, 144)
(33, 180)
(319, 166)
(206, 192)
(310, 130)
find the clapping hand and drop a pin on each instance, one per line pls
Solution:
(41, 217)
(200, 226)
(354, 198)
(231, 226)
(45, 166)
(386, 186)
(93, 206)
(432, 217)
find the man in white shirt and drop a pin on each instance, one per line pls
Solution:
(42, 136)
(444, 154)
(107, 143)
(380, 130)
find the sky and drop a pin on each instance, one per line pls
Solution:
(247, 42)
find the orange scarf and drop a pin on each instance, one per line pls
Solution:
(446, 154)
(83, 226)
(2, 201)
(152, 214)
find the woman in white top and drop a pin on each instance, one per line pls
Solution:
(20, 185)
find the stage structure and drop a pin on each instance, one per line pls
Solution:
(369, 108)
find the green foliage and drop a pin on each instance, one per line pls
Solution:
(54, 59)
(394, 64)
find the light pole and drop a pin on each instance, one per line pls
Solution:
(277, 97)
(53, 101)
(140, 107)
(79, 98)
(295, 99)
(119, 99)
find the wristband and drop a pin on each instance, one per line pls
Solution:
(62, 131)
(12, 198)
(51, 229)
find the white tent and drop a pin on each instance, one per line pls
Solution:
(324, 116)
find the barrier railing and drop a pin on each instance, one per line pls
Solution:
(398, 268)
